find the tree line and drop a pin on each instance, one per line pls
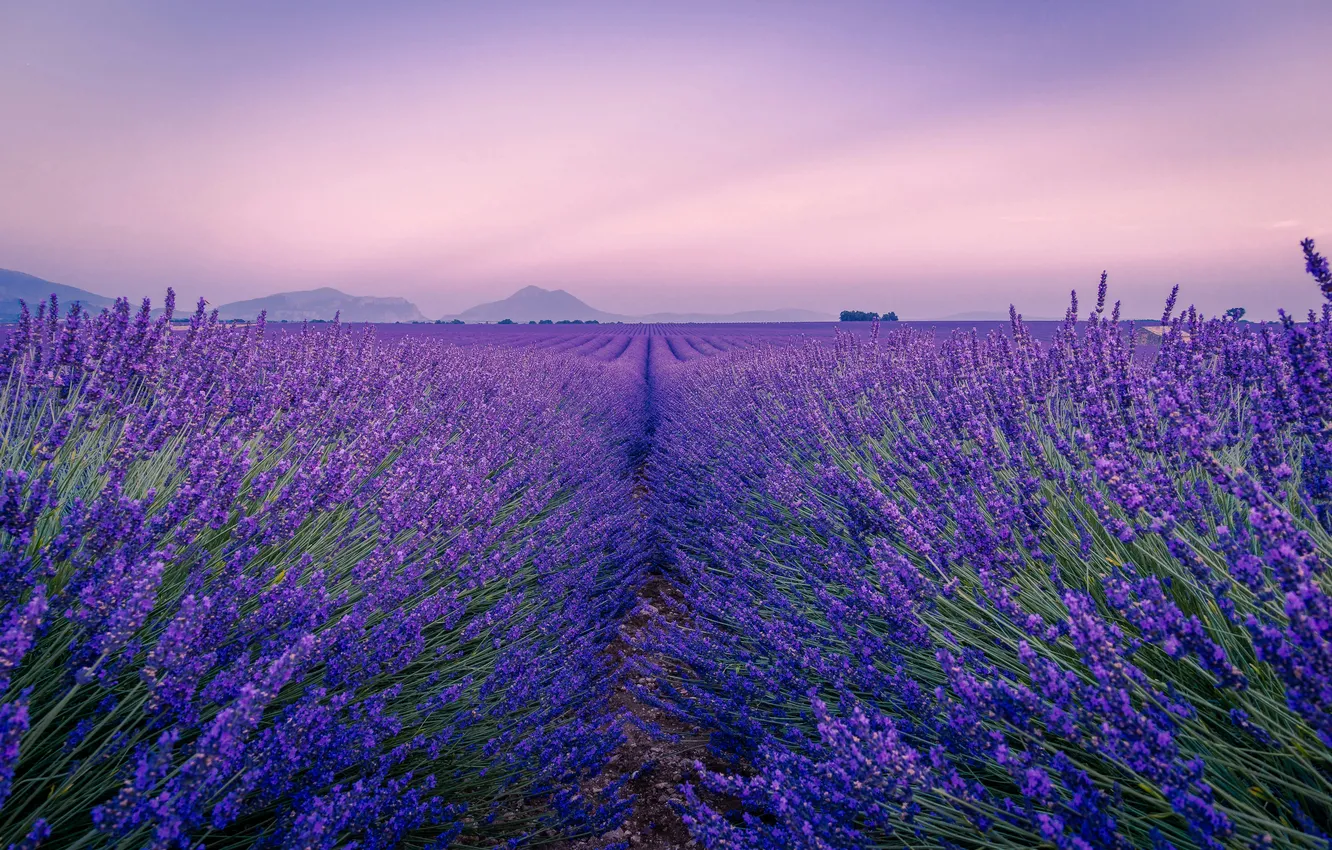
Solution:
(863, 316)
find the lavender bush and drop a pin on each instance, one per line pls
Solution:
(304, 589)
(327, 588)
(998, 593)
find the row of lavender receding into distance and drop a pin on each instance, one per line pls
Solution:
(305, 589)
(994, 593)
(329, 586)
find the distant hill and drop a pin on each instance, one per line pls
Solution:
(532, 303)
(16, 286)
(323, 303)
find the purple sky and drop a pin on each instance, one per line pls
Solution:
(927, 157)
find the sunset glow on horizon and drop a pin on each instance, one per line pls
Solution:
(683, 157)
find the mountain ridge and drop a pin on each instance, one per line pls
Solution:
(18, 286)
(323, 304)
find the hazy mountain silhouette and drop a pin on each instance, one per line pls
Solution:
(16, 286)
(323, 303)
(535, 303)
(532, 303)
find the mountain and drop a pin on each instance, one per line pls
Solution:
(323, 303)
(16, 286)
(532, 303)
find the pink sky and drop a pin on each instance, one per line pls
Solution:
(714, 157)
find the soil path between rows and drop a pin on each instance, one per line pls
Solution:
(656, 764)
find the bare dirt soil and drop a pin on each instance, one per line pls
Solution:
(657, 766)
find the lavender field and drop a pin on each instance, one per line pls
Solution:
(334, 586)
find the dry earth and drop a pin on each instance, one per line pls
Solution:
(658, 765)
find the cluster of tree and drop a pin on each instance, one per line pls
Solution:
(1236, 313)
(450, 322)
(863, 316)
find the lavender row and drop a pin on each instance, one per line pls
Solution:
(995, 592)
(688, 341)
(305, 589)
